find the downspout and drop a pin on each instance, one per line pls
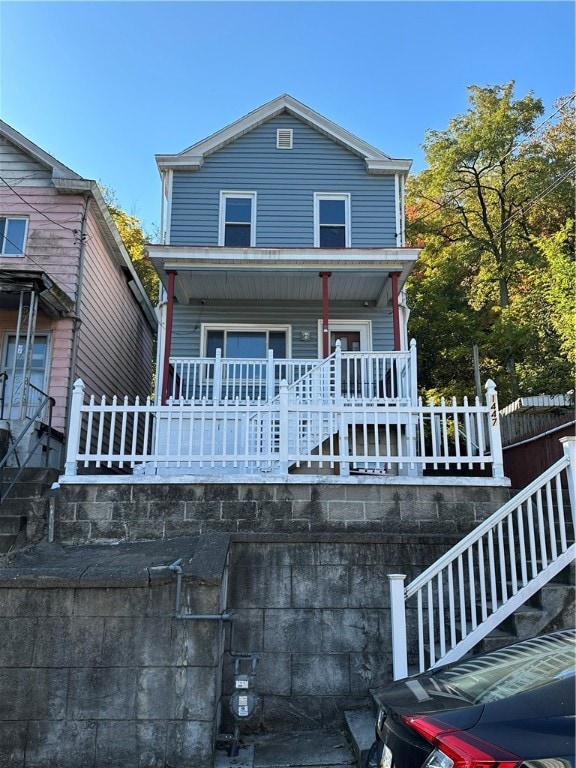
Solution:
(168, 335)
(395, 311)
(76, 320)
(325, 327)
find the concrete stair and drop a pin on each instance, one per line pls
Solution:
(23, 513)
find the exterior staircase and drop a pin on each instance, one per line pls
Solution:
(510, 579)
(24, 513)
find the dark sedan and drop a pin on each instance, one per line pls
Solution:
(507, 708)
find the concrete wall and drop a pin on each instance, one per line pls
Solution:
(108, 512)
(316, 610)
(95, 670)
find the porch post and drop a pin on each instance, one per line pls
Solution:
(325, 328)
(74, 427)
(395, 310)
(398, 623)
(283, 430)
(168, 336)
(413, 394)
(494, 430)
(569, 448)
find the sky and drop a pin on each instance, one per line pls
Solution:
(105, 86)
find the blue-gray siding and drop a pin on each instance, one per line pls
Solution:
(285, 182)
(188, 321)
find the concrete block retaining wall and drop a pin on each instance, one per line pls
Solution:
(95, 670)
(91, 513)
(316, 610)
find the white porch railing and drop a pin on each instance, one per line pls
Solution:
(368, 375)
(234, 436)
(494, 570)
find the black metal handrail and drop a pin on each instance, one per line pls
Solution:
(30, 421)
(3, 380)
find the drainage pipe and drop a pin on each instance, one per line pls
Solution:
(176, 567)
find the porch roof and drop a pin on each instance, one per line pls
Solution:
(53, 300)
(218, 273)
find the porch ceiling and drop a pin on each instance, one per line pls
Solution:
(290, 275)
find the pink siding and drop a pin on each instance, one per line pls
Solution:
(115, 350)
(114, 339)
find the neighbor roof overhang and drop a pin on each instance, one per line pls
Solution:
(53, 300)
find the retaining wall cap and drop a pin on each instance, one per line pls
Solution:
(136, 564)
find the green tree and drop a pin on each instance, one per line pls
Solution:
(496, 182)
(134, 239)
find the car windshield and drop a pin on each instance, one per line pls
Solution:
(508, 671)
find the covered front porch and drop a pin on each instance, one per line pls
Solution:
(285, 362)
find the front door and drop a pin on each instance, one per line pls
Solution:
(14, 364)
(354, 337)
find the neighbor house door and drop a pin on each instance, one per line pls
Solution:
(14, 356)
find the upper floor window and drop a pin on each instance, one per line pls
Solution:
(12, 235)
(331, 220)
(237, 219)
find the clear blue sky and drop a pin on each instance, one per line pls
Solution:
(104, 86)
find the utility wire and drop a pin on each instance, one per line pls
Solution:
(57, 223)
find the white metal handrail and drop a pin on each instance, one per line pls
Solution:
(265, 436)
(366, 375)
(489, 574)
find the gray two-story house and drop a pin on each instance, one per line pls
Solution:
(283, 263)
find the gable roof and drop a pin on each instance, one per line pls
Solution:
(59, 170)
(192, 158)
(67, 181)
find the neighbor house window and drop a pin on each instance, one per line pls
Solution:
(237, 219)
(331, 220)
(12, 235)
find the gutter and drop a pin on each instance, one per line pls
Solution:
(542, 434)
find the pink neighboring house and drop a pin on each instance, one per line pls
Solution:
(71, 303)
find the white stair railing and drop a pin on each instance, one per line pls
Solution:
(494, 570)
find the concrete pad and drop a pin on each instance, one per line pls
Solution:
(321, 749)
(244, 758)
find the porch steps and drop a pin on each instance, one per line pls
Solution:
(24, 512)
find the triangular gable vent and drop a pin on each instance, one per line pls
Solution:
(284, 138)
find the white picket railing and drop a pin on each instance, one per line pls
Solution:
(494, 570)
(272, 436)
(353, 375)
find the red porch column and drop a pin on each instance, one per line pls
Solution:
(325, 328)
(395, 310)
(168, 335)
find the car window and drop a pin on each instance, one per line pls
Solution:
(512, 670)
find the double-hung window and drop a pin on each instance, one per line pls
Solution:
(237, 219)
(331, 220)
(13, 231)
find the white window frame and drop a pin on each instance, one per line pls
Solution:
(263, 327)
(224, 195)
(318, 196)
(363, 326)
(4, 238)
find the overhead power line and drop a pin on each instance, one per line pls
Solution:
(33, 207)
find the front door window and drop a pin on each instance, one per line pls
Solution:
(14, 364)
